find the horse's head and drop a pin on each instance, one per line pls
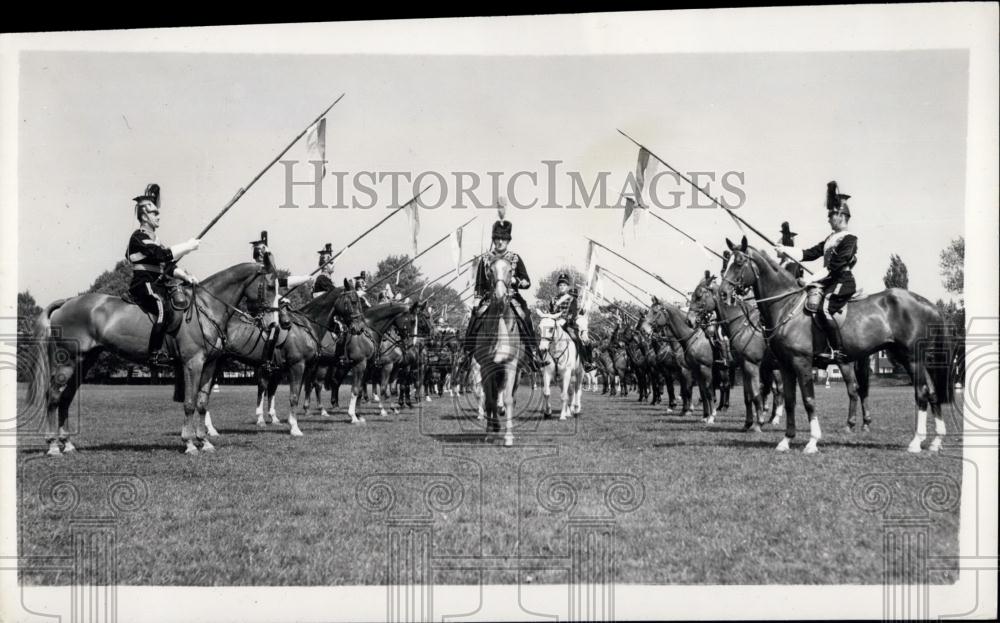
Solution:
(501, 273)
(546, 330)
(347, 307)
(284, 314)
(654, 319)
(741, 274)
(257, 284)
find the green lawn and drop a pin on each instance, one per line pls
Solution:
(717, 505)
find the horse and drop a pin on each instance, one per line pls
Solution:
(563, 358)
(758, 367)
(696, 350)
(668, 359)
(364, 341)
(498, 349)
(906, 324)
(70, 333)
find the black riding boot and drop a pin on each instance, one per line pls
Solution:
(269, 344)
(157, 355)
(836, 353)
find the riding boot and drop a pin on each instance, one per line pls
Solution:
(269, 344)
(836, 353)
(469, 343)
(158, 356)
(530, 341)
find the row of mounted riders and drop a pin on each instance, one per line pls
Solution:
(759, 305)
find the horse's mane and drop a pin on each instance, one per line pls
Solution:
(233, 271)
(382, 311)
(322, 302)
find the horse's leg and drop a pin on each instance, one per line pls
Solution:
(204, 389)
(564, 411)
(192, 384)
(707, 394)
(295, 373)
(788, 381)
(863, 374)
(510, 383)
(922, 389)
(803, 369)
(851, 384)
(272, 389)
(66, 399)
(357, 384)
(546, 392)
(261, 396)
(751, 396)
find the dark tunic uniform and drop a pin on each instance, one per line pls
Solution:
(839, 252)
(322, 285)
(521, 279)
(151, 261)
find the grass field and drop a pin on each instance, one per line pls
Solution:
(714, 505)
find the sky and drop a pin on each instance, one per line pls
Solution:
(889, 127)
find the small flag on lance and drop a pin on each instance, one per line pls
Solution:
(413, 212)
(316, 142)
(632, 210)
(645, 169)
(456, 248)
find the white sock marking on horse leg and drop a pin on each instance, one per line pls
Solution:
(208, 425)
(783, 444)
(939, 432)
(921, 434)
(814, 430)
(351, 409)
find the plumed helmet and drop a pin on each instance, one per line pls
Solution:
(152, 193)
(328, 249)
(262, 240)
(502, 227)
(835, 200)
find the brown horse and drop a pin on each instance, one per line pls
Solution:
(696, 349)
(70, 333)
(906, 324)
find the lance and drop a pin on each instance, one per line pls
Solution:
(651, 274)
(627, 291)
(623, 280)
(729, 211)
(612, 304)
(683, 233)
(414, 258)
(362, 235)
(443, 275)
(243, 190)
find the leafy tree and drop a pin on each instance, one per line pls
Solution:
(114, 282)
(896, 276)
(27, 309)
(410, 278)
(953, 266)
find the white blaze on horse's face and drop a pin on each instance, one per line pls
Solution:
(546, 328)
(500, 271)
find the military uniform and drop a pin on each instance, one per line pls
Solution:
(261, 254)
(839, 252)
(567, 306)
(324, 282)
(361, 286)
(710, 325)
(152, 262)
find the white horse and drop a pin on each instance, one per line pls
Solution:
(556, 342)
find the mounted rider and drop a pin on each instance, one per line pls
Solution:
(152, 264)
(788, 240)
(840, 253)
(710, 324)
(501, 238)
(324, 281)
(566, 304)
(361, 288)
(260, 253)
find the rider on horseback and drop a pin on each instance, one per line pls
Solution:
(272, 330)
(360, 287)
(324, 282)
(501, 238)
(566, 304)
(708, 320)
(152, 263)
(840, 253)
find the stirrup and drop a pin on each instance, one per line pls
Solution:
(160, 358)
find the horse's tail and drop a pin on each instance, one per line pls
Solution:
(39, 371)
(939, 364)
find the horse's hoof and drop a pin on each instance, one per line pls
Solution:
(68, 447)
(709, 421)
(261, 424)
(362, 420)
(782, 445)
(207, 446)
(866, 428)
(914, 447)
(355, 421)
(935, 445)
(427, 398)
(324, 413)
(562, 418)
(508, 441)
(755, 428)
(811, 448)
(295, 432)
(54, 451)
(191, 449)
